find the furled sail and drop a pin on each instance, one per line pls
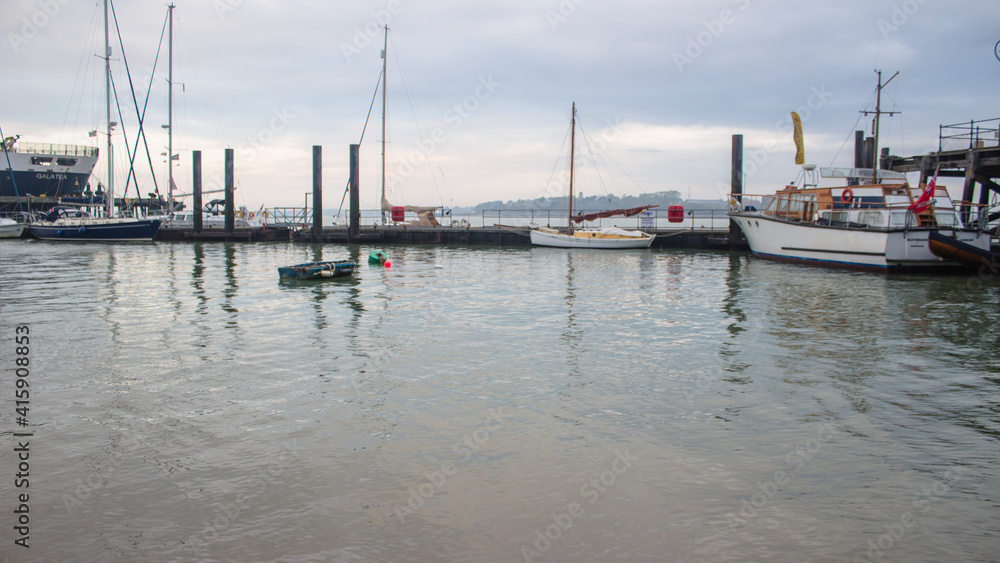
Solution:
(613, 213)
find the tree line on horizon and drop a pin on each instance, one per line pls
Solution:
(580, 202)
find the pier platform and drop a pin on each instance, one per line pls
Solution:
(713, 239)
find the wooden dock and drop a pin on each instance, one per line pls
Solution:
(714, 239)
(978, 164)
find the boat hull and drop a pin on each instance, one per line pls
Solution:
(318, 270)
(950, 248)
(559, 240)
(866, 249)
(47, 170)
(11, 229)
(96, 230)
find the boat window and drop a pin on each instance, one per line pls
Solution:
(898, 218)
(41, 160)
(66, 161)
(870, 218)
(945, 218)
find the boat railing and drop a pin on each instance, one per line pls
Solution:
(854, 214)
(54, 149)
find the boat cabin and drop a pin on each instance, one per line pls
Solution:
(864, 206)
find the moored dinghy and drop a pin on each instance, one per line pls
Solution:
(318, 270)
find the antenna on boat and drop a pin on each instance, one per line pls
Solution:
(878, 113)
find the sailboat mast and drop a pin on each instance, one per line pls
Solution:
(109, 193)
(170, 113)
(572, 146)
(878, 114)
(385, 79)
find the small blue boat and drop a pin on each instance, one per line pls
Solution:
(318, 270)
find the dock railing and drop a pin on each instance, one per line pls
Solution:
(979, 134)
(654, 219)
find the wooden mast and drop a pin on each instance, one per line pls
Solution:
(572, 145)
(878, 112)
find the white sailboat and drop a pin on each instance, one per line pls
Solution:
(604, 238)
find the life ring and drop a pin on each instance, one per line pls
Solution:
(847, 196)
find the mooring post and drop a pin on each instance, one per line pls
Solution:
(870, 153)
(736, 183)
(355, 198)
(196, 189)
(230, 188)
(859, 155)
(317, 226)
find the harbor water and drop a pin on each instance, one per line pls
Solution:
(492, 404)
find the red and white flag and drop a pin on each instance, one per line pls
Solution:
(923, 202)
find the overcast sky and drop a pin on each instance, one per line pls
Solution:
(486, 88)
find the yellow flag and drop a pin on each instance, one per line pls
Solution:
(800, 151)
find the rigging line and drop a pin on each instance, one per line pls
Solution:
(620, 167)
(853, 128)
(142, 115)
(416, 118)
(558, 158)
(217, 122)
(593, 156)
(364, 128)
(83, 57)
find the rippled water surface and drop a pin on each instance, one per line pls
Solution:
(488, 404)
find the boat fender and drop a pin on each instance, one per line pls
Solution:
(82, 229)
(59, 233)
(847, 196)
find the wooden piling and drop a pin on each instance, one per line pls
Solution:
(230, 188)
(317, 163)
(355, 195)
(196, 189)
(736, 183)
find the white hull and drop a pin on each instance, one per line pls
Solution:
(880, 249)
(560, 240)
(11, 230)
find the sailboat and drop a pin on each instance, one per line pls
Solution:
(606, 238)
(71, 224)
